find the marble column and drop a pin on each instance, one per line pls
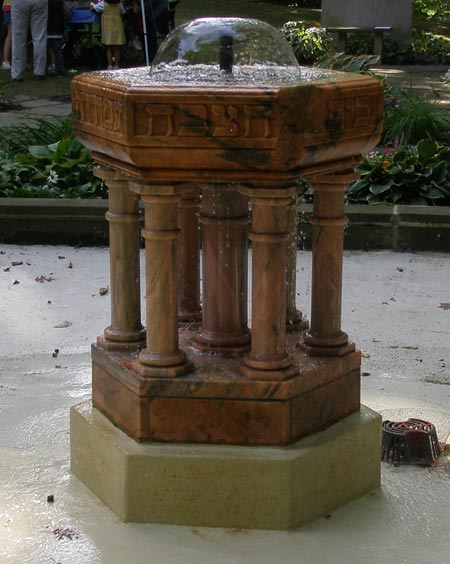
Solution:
(268, 359)
(294, 317)
(325, 336)
(224, 220)
(189, 308)
(161, 356)
(125, 331)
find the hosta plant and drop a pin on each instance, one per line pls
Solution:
(414, 174)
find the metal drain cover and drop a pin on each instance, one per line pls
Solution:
(409, 442)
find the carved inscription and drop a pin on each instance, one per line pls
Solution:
(97, 111)
(351, 113)
(202, 120)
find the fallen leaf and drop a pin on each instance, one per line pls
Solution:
(70, 265)
(55, 353)
(63, 325)
(50, 498)
(2, 252)
(103, 291)
(392, 299)
(16, 282)
(61, 257)
(17, 263)
(400, 268)
(43, 279)
(445, 307)
(7, 269)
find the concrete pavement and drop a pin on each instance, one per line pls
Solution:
(396, 308)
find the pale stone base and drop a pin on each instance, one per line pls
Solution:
(226, 486)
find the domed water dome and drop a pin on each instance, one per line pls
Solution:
(248, 48)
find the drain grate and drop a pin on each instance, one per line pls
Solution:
(409, 442)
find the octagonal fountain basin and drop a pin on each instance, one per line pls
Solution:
(224, 98)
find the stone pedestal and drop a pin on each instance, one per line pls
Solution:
(222, 486)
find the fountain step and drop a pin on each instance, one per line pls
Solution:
(226, 486)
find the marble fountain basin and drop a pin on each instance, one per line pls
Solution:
(196, 122)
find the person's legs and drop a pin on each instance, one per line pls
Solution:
(58, 44)
(38, 27)
(7, 42)
(19, 27)
(116, 56)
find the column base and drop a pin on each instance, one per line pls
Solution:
(342, 350)
(275, 488)
(125, 346)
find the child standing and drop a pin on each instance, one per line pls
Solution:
(113, 35)
(7, 44)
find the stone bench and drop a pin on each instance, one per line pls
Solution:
(377, 31)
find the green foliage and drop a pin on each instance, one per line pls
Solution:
(34, 131)
(348, 63)
(59, 169)
(431, 10)
(424, 48)
(410, 117)
(308, 43)
(418, 175)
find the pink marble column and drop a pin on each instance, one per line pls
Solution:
(125, 331)
(325, 336)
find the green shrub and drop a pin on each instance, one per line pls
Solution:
(347, 63)
(427, 10)
(418, 175)
(46, 161)
(424, 48)
(411, 116)
(308, 43)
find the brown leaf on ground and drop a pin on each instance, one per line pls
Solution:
(7, 269)
(17, 263)
(103, 291)
(16, 282)
(63, 325)
(445, 307)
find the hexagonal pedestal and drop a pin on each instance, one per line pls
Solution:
(226, 486)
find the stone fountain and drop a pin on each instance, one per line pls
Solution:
(204, 418)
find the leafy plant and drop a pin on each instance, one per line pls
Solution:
(431, 10)
(410, 116)
(34, 131)
(348, 63)
(308, 43)
(418, 175)
(424, 48)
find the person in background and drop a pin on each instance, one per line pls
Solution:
(29, 14)
(157, 24)
(55, 35)
(7, 43)
(113, 34)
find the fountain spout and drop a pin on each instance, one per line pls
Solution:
(226, 53)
